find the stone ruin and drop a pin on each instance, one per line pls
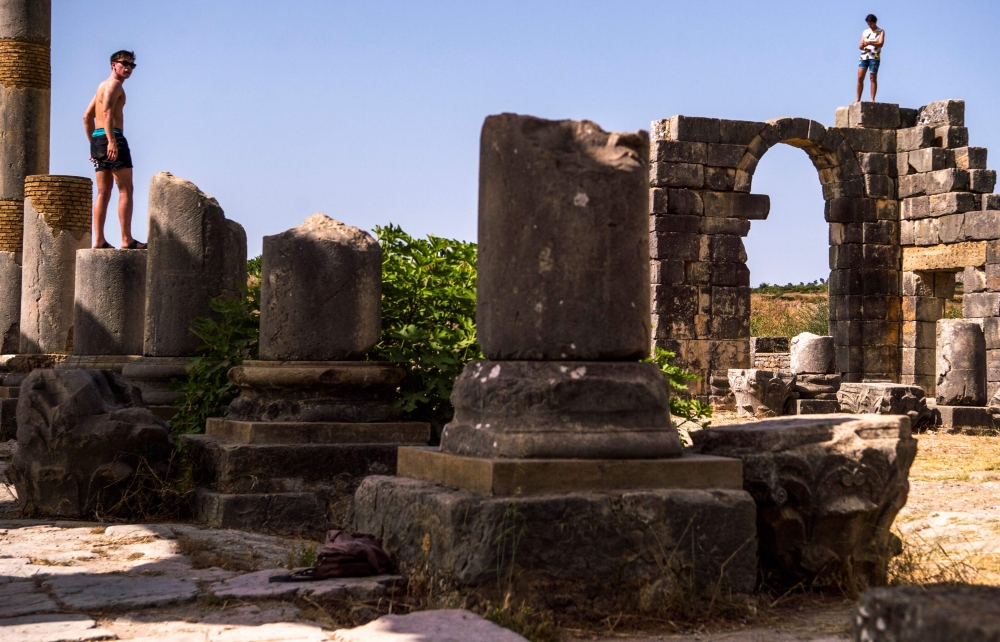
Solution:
(560, 435)
(312, 417)
(910, 206)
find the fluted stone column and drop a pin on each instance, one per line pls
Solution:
(25, 80)
(110, 302)
(57, 215)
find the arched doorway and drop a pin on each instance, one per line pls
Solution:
(701, 204)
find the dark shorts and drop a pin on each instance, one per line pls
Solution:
(869, 65)
(99, 152)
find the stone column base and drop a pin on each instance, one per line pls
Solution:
(504, 477)
(115, 362)
(602, 552)
(290, 477)
(968, 420)
(152, 375)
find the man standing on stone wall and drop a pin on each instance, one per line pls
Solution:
(104, 121)
(872, 40)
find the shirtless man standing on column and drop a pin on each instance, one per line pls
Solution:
(109, 150)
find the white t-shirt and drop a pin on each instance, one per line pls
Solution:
(871, 52)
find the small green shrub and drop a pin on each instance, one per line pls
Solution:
(227, 341)
(687, 410)
(428, 318)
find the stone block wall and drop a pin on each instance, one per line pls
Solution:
(905, 195)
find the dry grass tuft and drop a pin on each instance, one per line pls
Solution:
(789, 314)
(204, 553)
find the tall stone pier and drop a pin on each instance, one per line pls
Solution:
(561, 435)
(195, 255)
(25, 81)
(312, 418)
(57, 214)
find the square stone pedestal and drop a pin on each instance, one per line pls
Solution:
(289, 477)
(969, 420)
(602, 535)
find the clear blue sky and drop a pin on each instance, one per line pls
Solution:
(370, 111)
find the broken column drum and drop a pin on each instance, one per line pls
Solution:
(563, 309)
(961, 363)
(25, 82)
(560, 424)
(321, 297)
(195, 255)
(57, 212)
(110, 302)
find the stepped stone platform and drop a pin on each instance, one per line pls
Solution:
(282, 476)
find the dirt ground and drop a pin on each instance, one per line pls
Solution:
(950, 528)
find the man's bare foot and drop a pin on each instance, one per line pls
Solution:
(104, 246)
(135, 245)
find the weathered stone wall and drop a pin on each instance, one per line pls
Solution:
(908, 206)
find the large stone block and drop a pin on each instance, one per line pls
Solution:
(563, 241)
(82, 436)
(969, 157)
(321, 292)
(737, 205)
(827, 489)
(605, 545)
(941, 613)
(762, 393)
(110, 302)
(676, 175)
(196, 254)
(812, 354)
(878, 398)
(604, 410)
(873, 115)
(961, 363)
(913, 138)
(942, 112)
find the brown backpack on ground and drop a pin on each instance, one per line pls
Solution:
(343, 555)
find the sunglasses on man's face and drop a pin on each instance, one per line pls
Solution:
(125, 63)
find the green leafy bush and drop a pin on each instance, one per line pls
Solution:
(227, 341)
(428, 318)
(687, 410)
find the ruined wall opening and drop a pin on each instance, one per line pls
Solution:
(791, 246)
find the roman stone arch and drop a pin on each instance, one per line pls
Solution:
(909, 207)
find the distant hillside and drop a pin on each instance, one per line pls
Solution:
(788, 310)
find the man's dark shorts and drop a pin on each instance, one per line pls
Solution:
(99, 152)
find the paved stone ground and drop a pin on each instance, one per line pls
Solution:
(66, 581)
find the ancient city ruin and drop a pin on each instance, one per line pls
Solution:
(562, 452)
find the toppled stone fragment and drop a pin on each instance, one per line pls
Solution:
(827, 489)
(879, 398)
(82, 435)
(762, 393)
